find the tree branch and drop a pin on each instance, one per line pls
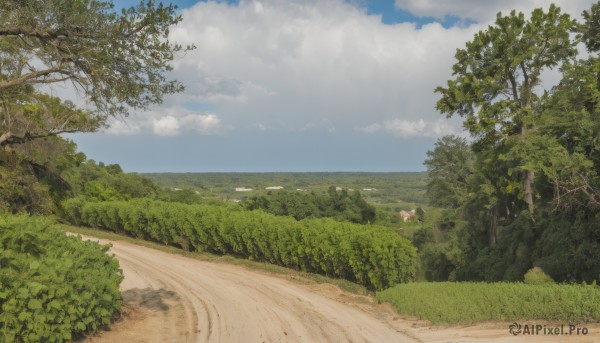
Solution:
(32, 75)
(8, 138)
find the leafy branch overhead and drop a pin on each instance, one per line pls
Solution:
(116, 60)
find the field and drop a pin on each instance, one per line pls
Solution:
(470, 302)
(406, 188)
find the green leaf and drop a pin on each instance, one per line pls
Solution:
(34, 304)
(34, 265)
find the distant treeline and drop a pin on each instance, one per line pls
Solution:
(381, 187)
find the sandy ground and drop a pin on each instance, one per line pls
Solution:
(171, 298)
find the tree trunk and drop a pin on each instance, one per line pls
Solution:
(493, 229)
(528, 179)
(528, 189)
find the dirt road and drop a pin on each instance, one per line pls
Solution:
(171, 298)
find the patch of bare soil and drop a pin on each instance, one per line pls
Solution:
(171, 298)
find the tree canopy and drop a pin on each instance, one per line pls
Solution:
(496, 77)
(116, 62)
(533, 193)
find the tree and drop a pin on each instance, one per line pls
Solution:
(496, 78)
(116, 61)
(449, 166)
(590, 29)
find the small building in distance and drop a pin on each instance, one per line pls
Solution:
(274, 187)
(243, 189)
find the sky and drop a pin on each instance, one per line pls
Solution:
(304, 85)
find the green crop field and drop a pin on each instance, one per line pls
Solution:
(469, 302)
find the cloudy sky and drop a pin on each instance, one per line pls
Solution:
(304, 85)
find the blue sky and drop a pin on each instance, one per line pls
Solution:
(303, 85)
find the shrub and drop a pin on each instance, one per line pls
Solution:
(53, 288)
(536, 276)
(373, 256)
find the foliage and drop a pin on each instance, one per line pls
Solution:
(97, 181)
(590, 29)
(496, 76)
(53, 288)
(533, 194)
(536, 276)
(184, 196)
(449, 165)
(54, 41)
(66, 42)
(468, 302)
(342, 206)
(20, 190)
(386, 188)
(373, 256)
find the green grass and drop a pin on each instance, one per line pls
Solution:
(295, 275)
(469, 302)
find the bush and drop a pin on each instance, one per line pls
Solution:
(536, 276)
(373, 256)
(53, 288)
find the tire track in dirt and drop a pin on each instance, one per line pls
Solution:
(171, 298)
(216, 302)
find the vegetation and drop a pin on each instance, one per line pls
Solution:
(64, 42)
(385, 188)
(53, 288)
(468, 302)
(288, 273)
(525, 192)
(372, 256)
(342, 206)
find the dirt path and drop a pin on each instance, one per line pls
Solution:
(171, 298)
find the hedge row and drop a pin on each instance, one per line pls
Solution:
(375, 257)
(53, 288)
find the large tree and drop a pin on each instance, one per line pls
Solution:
(115, 61)
(497, 83)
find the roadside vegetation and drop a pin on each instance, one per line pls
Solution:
(53, 288)
(373, 256)
(470, 302)
(523, 194)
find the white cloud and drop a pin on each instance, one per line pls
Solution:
(409, 129)
(166, 126)
(485, 11)
(203, 124)
(122, 127)
(292, 63)
(286, 65)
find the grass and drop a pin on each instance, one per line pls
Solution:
(295, 275)
(470, 302)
